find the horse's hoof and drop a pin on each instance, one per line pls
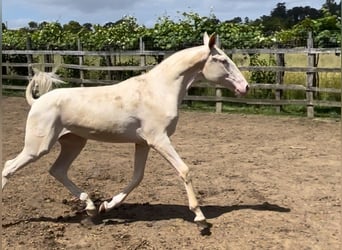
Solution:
(102, 208)
(203, 224)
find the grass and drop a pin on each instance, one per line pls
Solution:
(288, 110)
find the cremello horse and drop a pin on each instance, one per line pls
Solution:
(141, 110)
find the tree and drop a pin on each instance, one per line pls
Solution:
(109, 24)
(279, 11)
(298, 14)
(73, 27)
(282, 18)
(332, 7)
(272, 24)
(33, 25)
(87, 26)
(326, 32)
(235, 20)
(42, 25)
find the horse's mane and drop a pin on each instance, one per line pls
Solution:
(188, 56)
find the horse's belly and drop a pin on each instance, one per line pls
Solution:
(107, 136)
(108, 131)
(114, 138)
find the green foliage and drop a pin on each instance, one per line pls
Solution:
(170, 35)
(236, 35)
(14, 39)
(124, 34)
(282, 26)
(326, 32)
(262, 76)
(50, 36)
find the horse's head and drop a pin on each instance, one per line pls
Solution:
(220, 69)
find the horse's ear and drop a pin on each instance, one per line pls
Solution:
(205, 38)
(212, 40)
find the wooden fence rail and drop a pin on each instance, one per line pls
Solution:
(309, 88)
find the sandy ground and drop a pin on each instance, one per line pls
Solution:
(263, 182)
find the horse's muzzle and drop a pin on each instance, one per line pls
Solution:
(242, 92)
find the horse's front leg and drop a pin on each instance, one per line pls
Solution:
(141, 152)
(163, 145)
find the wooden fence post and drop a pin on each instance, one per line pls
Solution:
(8, 69)
(280, 60)
(29, 57)
(47, 58)
(310, 78)
(80, 61)
(142, 49)
(109, 63)
(218, 91)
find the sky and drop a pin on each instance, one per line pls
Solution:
(18, 13)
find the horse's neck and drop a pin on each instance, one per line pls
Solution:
(176, 73)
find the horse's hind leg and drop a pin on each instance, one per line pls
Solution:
(71, 146)
(35, 147)
(141, 152)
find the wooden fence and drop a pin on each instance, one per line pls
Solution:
(309, 87)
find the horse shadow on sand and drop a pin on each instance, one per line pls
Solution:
(134, 212)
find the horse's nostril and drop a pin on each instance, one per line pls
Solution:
(247, 88)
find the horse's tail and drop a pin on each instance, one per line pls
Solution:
(41, 83)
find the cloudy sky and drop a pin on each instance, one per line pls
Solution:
(17, 13)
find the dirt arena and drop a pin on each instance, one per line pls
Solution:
(264, 182)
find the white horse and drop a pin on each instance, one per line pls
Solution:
(141, 110)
